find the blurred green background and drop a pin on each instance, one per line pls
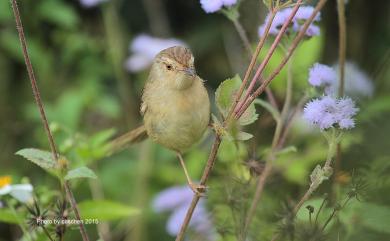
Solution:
(79, 56)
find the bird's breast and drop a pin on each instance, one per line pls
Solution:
(177, 119)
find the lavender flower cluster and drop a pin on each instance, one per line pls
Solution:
(177, 200)
(328, 111)
(281, 17)
(212, 6)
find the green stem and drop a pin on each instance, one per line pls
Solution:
(116, 52)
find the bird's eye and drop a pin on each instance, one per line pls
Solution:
(169, 67)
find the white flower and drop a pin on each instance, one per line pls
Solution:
(145, 48)
(21, 192)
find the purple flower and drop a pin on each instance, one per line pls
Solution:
(212, 6)
(178, 199)
(327, 112)
(357, 82)
(321, 75)
(91, 3)
(277, 23)
(172, 198)
(301, 16)
(145, 48)
(229, 3)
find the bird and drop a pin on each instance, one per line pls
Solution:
(175, 106)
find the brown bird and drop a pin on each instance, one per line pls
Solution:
(175, 106)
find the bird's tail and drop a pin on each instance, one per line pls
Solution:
(123, 141)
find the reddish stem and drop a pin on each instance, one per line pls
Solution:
(269, 55)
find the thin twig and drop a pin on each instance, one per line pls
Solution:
(243, 36)
(33, 81)
(203, 180)
(39, 103)
(76, 211)
(268, 56)
(276, 139)
(255, 201)
(47, 233)
(252, 63)
(342, 57)
(290, 120)
(290, 51)
(342, 44)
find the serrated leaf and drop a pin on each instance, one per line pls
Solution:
(81, 172)
(225, 95)
(249, 116)
(105, 210)
(41, 158)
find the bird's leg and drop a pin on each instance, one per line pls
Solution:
(196, 188)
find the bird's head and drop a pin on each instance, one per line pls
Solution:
(175, 66)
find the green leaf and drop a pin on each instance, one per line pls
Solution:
(225, 95)
(81, 172)
(243, 136)
(249, 116)
(7, 216)
(105, 210)
(41, 158)
(274, 112)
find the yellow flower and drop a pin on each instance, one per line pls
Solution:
(21, 192)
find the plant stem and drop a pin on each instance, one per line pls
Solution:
(268, 56)
(243, 36)
(342, 58)
(196, 197)
(276, 139)
(76, 211)
(39, 103)
(47, 233)
(31, 76)
(116, 50)
(342, 44)
(246, 102)
(332, 142)
(252, 64)
(245, 40)
(319, 210)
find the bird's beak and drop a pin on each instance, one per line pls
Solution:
(190, 71)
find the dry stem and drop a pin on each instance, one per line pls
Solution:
(39, 103)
